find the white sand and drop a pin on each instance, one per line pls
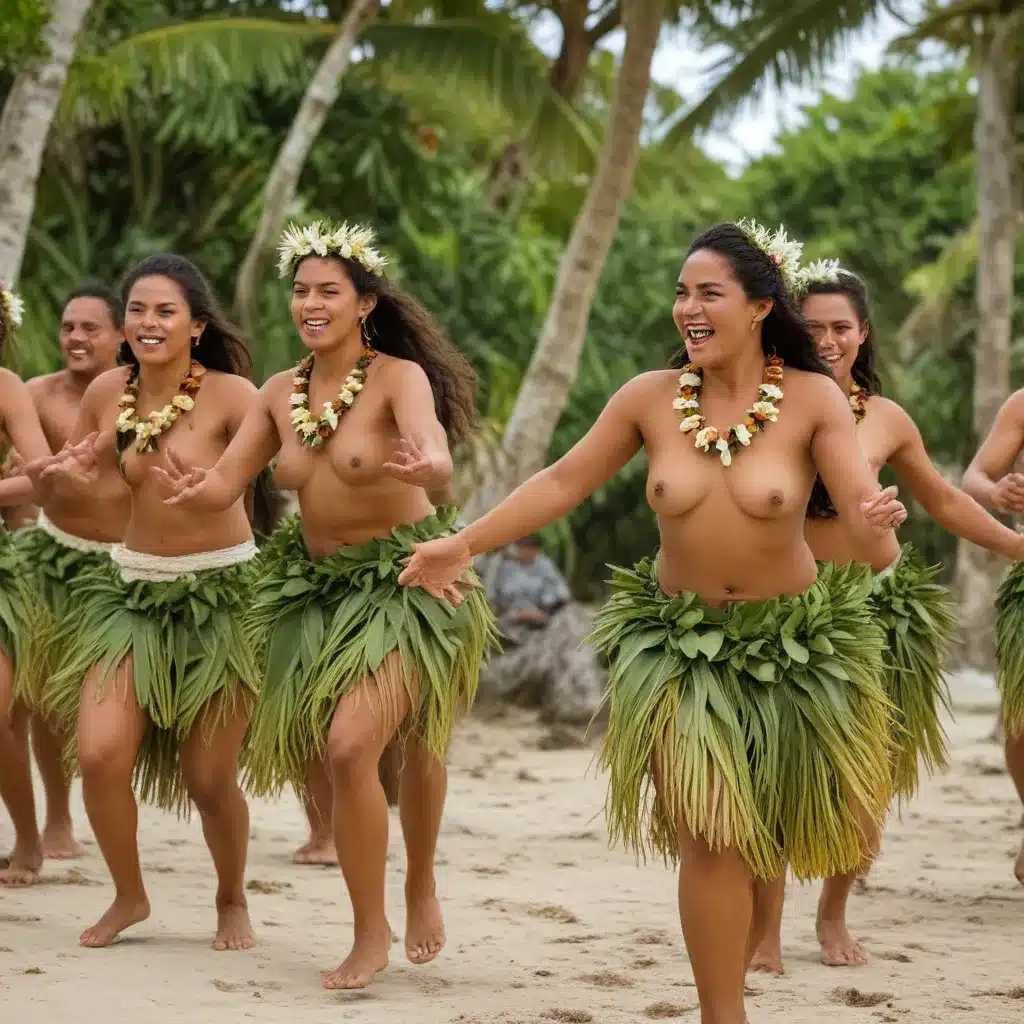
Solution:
(545, 922)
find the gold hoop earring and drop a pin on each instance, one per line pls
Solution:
(365, 329)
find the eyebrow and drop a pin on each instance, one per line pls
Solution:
(700, 284)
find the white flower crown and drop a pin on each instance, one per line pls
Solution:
(782, 251)
(322, 238)
(818, 272)
(14, 308)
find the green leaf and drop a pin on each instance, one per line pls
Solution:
(794, 649)
(295, 587)
(710, 643)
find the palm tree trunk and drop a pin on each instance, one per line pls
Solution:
(977, 571)
(284, 176)
(25, 126)
(544, 392)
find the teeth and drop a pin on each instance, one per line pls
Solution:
(77, 352)
(150, 341)
(700, 333)
(317, 323)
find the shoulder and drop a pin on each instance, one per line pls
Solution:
(893, 415)
(228, 386)
(10, 381)
(280, 383)
(819, 393)
(107, 387)
(645, 387)
(399, 371)
(46, 385)
(1012, 410)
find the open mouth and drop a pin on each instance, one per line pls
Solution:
(315, 324)
(697, 335)
(832, 358)
(149, 341)
(78, 353)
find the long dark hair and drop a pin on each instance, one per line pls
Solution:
(864, 371)
(784, 331)
(399, 326)
(221, 347)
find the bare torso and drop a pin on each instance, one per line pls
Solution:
(831, 540)
(346, 496)
(199, 438)
(102, 513)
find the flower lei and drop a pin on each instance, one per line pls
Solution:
(314, 433)
(145, 432)
(322, 238)
(764, 410)
(858, 401)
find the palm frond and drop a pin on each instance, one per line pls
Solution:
(780, 43)
(953, 23)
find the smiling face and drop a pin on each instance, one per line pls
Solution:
(89, 338)
(838, 332)
(712, 312)
(158, 323)
(326, 308)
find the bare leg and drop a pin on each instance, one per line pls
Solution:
(316, 801)
(364, 723)
(110, 733)
(424, 786)
(769, 900)
(58, 833)
(209, 762)
(1014, 747)
(16, 784)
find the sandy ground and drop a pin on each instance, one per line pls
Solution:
(545, 922)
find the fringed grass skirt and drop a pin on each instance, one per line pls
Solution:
(1010, 648)
(765, 722)
(186, 639)
(917, 615)
(325, 624)
(24, 622)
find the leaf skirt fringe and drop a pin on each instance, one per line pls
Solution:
(24, 622)
(918, 618)
(765, 723)
(52, 569)
(1010, 648)
(187, 644)
(325, 624)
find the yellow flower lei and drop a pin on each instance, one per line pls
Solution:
(144, 433)
(859, 401)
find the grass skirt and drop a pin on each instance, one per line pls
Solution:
(187, 644)
(326, 623)
(23, 622)
(917, 615)
(52, 568)
(764, 720)
(1010, 648)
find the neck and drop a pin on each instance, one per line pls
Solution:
(165, 379)
(338, 362)
(846, 381)
(738, 375)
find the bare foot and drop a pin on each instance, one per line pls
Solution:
(317, 851)
(22, 867)
(1018, 867)
(59, 843)
(424, 929)
(768, 957)
(838, 947)
(121, 914)
(369, 957)
(234, 929)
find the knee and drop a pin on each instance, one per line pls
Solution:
(209, 785)
(352, 752)
(101, 760)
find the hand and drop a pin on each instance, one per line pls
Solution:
(410, 465)
(189, 485)
(14, 465)
(883, 512)
(437, 566)
(75, 467)
(1008, 496)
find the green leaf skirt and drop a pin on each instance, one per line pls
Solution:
(187, 644)
(765, 722)
(24, 621)
(325, 624)
(919, 622)
(1010, 648)
(52, 569)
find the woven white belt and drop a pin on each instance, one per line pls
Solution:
(69, 540)
(140, 565)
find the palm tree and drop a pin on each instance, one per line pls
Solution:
(25, 125)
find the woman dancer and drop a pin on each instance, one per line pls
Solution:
(21, 623)
(157, 635)
(352, 659)
(744, 690)
(910, 605)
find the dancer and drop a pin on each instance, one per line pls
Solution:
(744, 690)
(911, 606)
(993, 478)
(157, 637)
(21, 630)
(352, 659)
(71, 536)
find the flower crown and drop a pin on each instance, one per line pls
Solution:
(782, 251)
(818, 272)
(13, 308)
(323, 238)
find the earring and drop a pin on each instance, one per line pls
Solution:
(365, 329)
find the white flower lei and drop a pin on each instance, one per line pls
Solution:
(322, 238)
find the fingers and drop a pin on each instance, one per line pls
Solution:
(171, 457)
(883, 496)
(163, 478)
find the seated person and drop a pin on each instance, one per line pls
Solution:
(525, 590)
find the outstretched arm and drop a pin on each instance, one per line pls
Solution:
(20, 419)
(950, 507)
(988, 479)
(422, 458)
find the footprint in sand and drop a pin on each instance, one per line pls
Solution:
(854, 997)
(668, 1011)
(266, 887)
(651, 937)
